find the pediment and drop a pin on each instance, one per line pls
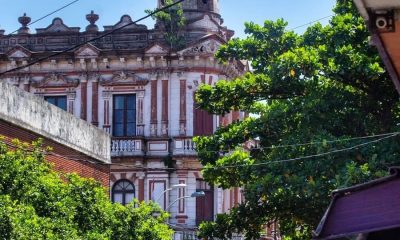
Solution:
(57, 26)
(206, 46)
(124, 21)
(55, 80)
(123, 78)
(156, 50)
(18, 52)
(87, 51)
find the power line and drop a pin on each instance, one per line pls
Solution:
(327, 141)
(272, 162)
(49, 14)
(68, 157)
(309, 156)
(386, 136)
(109, 33)
(309, 23)
(301, 144)
(93, 39)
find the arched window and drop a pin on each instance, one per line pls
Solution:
(123, 192)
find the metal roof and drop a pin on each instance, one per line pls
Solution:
(364, 208)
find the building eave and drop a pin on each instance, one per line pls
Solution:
(369, 9)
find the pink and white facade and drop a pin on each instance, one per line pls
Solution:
(131, 85)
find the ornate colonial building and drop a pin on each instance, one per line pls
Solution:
(141, 92)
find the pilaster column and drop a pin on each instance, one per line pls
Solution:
(203, 79)
(84, 99)
(106, 98)
(27, 84)
(141, 187)
(71, 96)
(153, 119)
(95, 102)
(140, 122)
(182, 108)
(165, 100)
(181, 215)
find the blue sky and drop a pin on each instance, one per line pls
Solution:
(234, 12)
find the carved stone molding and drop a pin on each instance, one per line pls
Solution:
(159, 74)
(123, 78)
(207, 47)
(107, 94)
(71, 95)
(56, 80)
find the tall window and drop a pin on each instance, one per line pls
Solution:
(204, 205)
(123, 192)
(59, 101)
(202, 122)
(124, 114)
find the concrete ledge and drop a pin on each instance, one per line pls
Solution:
(33, 113)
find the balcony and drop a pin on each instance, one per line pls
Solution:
(139, 146)
(185, 235)
(184, 146)
(127, 147)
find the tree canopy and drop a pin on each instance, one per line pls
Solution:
(314, 98)
(39, 203)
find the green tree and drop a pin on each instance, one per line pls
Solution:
(39, 203)
(172, 22)
(321, 87)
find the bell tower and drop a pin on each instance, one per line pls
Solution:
(194, 9)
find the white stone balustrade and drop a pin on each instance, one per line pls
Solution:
(121, 147)
(185, 235)
(126, 147)
(184, 146)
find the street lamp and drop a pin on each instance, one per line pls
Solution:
(180, 185)
(194, 195)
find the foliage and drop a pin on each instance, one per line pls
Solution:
(38, 203)
(323, 87)
(172, 22)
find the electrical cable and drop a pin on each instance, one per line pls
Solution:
(304, 144)
(49, 14)
(327, 142)
(276, 161)
(269, 162)
(308, 143)
(309, 23)
(227, 166)
(93, 39)
(309, 156)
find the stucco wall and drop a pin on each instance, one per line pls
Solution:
(33, 113)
